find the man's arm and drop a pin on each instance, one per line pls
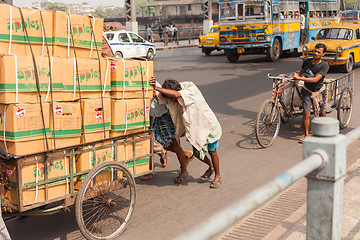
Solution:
(167, 92)
(309, 80)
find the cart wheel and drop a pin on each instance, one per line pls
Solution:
(344, 110)
(105, 201)
(267, 123)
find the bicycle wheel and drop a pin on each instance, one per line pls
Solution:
(267, 123)
(344, 109)
(105, 201)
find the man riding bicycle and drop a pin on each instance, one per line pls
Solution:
(312, 72)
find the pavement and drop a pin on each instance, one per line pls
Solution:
(284, 216)
(172, 45)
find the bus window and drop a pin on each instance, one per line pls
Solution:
(275, 11)
(227, 10)
(357, 34)
(240, 10)
(296, 14)
(254, 10)
(290, 14)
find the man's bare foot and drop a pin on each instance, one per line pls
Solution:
(301, 140)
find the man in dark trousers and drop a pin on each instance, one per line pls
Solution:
(312, 72)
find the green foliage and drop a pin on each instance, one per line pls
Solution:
(139, 3)
(116, 12)
(349, 4)
(57, 7)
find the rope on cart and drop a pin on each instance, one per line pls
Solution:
(78, 79)
(37, 85)
(99, 59)
(50, 79)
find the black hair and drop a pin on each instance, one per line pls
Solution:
(171, 84)
(321, 45)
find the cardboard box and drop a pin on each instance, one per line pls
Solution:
(88, 160)
(19, 41)
(23, 122)
(25, 83)
(84, 40)
(142, 147)
(136, 78)
(96, 113)
(67, 128)
(130, 114)
(26, 147)
(36, 173)
(89, 75)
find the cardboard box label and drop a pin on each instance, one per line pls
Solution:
(32, 23)
(130, 114)
(23, 122)
(81, 30)
(26, 81)
(89, 75)
(137, 75)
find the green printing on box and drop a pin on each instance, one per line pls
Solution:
(18, 135)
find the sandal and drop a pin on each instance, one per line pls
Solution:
(181, 178)
(216, 183)
(163, 159)
(188, 160)
(148, 176)
(207, 174)
(301, 140)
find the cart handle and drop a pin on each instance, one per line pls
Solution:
(285, 78)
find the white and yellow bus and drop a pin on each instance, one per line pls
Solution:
(271, 27)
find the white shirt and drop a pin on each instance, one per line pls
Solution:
(302, 21)
(199, 120)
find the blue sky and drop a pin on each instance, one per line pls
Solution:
(116, 3)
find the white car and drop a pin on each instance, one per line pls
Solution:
(126, 44)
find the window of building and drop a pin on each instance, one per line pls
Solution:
(189, 7)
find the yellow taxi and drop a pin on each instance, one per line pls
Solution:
(342, 43)
(210, 42)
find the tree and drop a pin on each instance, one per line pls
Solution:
(114, 12)
(139, 3)
(57, 7)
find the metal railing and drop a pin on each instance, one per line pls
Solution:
(182, 34)
(324, 165)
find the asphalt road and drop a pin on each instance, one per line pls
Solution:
(235, 92)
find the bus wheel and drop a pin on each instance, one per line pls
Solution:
(274, 51)
(232, 55)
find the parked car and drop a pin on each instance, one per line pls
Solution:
(210, 42)
(127, 44)
(342, 43)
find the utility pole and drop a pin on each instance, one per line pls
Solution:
(130, 11)
(342, 5)
(208, 22)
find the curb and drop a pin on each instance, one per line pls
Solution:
(172, 47)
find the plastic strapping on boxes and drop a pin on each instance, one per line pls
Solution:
(5, 106)
(66, 173)
(147, 77)
(50, 74)
(43, 36)
(11, 24)
(106, 76)
(124, 65)
(37, 180)
(92, 35)
(111, 159)
(16, 79)
(75, 75)
(69, 31)
(90, 157)
(127, 111)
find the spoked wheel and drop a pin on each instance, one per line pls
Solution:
(344, 110)
(283, 116)
(105, 201)
(267, 123)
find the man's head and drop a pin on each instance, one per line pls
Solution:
(171, 84)
(319, 51)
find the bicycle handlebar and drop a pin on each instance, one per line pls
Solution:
(281, 77)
